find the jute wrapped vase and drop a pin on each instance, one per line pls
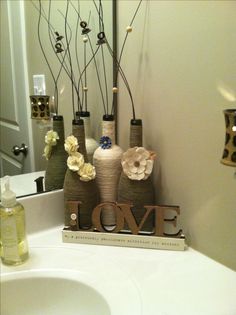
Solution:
(77, 190)
(90, 143)
(108, 169)
(56, 165)
(137, 192)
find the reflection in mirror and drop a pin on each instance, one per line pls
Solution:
(24, 60)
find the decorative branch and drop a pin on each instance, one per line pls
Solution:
(63, 54)
(51, 33)
(70, 61)
(117, 62)
(43, 51)
(79, 105)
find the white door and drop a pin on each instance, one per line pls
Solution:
(15, 122)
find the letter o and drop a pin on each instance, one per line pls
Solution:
(97, 220)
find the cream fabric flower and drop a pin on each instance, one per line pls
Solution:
(137, 163)
(71, 144)
(51, 137)
(47, 151)
(75, 161)
(87, 172)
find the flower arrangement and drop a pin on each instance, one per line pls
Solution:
(137, 163)
(51, 138)
(75, 161)
(71, 145)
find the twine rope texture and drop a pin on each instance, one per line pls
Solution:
(87, 127)
(136, 136)
(108, 169)
(108, 130)
(139, 193)
(90, 143)
(78, 132)
(56, 165)
(75, 189)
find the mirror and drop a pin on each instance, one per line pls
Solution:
(23, 58)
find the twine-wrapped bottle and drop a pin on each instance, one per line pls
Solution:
(56, 165)
(90, 143)
(77, 190)
(137, 192)
(107, 162)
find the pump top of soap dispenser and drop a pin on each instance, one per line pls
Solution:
(8, 196)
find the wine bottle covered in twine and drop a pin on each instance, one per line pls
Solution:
(107, 161)
(77, 190)
(56, 165)
(90, 143)
(137, 192)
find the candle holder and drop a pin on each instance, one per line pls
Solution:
(229, 154)
(40, 107)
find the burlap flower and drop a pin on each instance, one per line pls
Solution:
(71, 145)
(137, 163)
(51, 138)
(87, 172)
(75, 161)
(47, 151)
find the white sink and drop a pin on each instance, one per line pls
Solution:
(49, 293)
(68, 281)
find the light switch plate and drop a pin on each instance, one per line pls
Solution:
(39, 84)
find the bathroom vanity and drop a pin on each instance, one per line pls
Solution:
(67, 279)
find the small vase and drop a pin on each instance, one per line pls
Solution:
(229, 154)
(56, 165)
(77, 190)
(107, 162)
(90, 143)
(137, 192)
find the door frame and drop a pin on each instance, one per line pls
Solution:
(17, 36)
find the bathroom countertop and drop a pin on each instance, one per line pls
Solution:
(24, 184)
(168, 282)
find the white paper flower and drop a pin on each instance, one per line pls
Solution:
(51, 137)
(47, 151)
(75, 161)
(87, 172)
(137, 163)
(71, 145)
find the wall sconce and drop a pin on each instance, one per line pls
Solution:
(40, 107)
(229, 154)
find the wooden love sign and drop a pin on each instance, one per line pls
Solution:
(124, 214)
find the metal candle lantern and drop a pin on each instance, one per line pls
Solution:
(229, 154)
(40, 107)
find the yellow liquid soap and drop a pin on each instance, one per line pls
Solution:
(13, 242)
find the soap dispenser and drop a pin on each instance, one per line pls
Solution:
(13, 242)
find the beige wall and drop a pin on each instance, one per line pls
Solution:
(180, 63)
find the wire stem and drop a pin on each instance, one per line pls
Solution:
(70, 61)
(42, 49)
(97, 72)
